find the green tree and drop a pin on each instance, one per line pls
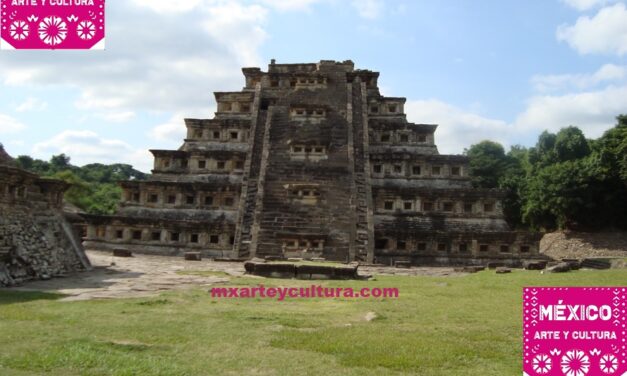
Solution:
(556, 195)
(514, 182)
(490, 167)
(93, 187)
(105, 199)
(571, 144)
(25, 162)
(612, 148)
(578, 184)
(79, 193)
(564, 181)
(488, 163)
(60, 162)
(543, 154)
(34, 165)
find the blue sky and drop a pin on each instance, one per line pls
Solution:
(487, 69)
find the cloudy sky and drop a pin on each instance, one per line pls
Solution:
(489, 69)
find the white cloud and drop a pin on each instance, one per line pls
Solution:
(605, 32)
(153, 62)
(458, 129)
(590, 101)
(119, 117)
(607, 73)
(369, 9)
(593, 111)
(583, 5)
(290, 5)
(88, 147)
(172, 132)
(9, 124)
(240, 26)
(19, 76)
(32, 104)
(169, 6)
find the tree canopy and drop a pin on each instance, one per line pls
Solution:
(94, 186)
(564, 181)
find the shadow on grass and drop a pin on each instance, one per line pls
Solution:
(10, 297)
(99, 277)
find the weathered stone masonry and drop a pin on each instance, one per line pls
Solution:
(36, 240)
(310, 160)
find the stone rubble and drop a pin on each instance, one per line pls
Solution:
(36, 240)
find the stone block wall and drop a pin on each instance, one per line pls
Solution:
(37, 245)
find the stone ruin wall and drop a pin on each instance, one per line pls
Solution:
(36, 240)
(212, 238)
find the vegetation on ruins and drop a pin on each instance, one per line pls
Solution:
(466, 325)
(94, 186)
(564, 181)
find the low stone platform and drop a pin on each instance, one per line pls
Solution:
(470, 269)
(122, 253)
(596, 263)
(535, 265)
(193, 256)
(301, 270)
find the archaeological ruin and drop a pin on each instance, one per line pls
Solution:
(36, 240)
(311, 161)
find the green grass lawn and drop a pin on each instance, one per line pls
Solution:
(467, 325)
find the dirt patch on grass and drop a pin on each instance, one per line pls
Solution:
(370, 316)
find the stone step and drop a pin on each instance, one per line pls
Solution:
(596, 263)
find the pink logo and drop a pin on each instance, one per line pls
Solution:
(52, 24)
(574, 331)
